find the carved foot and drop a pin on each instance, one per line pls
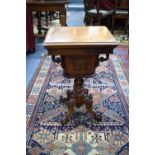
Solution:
(98, 118)
(71, 104)
(89, 103)
(65, 121)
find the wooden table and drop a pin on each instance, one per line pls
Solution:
(79, 49)
(48, 5)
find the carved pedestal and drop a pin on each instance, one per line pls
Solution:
(78, 67)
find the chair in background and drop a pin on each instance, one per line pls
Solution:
(93, 14)
(121, 11)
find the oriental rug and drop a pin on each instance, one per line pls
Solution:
(82, 136)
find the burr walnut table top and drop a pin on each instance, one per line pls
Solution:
(83, 36)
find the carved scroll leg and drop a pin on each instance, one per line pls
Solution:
(70, 111)
(89, 108)
(69, 96)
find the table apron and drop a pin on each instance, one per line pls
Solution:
(45, 7)
(80, 51)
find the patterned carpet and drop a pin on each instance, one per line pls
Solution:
(46, 136)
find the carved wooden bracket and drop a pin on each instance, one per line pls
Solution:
(56, 59)
(101, 59)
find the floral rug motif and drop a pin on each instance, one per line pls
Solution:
(82, 136)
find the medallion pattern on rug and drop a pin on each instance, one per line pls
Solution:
(82, 136)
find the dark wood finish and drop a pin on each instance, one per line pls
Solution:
(30, 39)
(79, 49)
(48, 5)
(121, 11)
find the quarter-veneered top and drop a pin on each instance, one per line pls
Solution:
(82, 35)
